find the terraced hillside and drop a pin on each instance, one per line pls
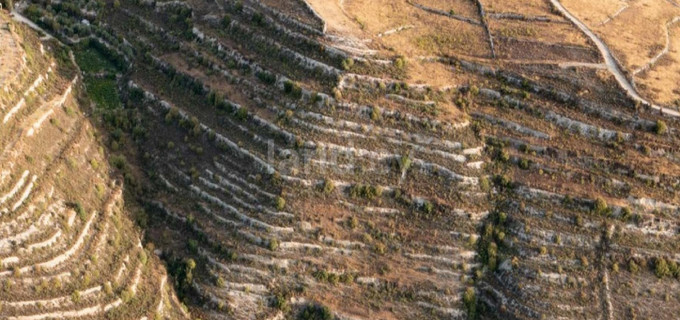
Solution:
(384, 159)
(67, 245)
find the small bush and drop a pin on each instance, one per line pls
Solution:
(661, 268)
(266, 77)
(273, 244)
(404, 163)
(501, 155)
(600, 207)
(280, 301)
(75, 296)
(470, 302)
(626, 214)
(428, 207)
(346, 278)
(380, 248)
(365, 191)
(375, 114)
(347, 64)
(192, 245)
(660, 127)
(80, 211)
(400, 63)
(226, 21)
(127, 295)
(280, 203)
(118, 161)
(353, 222)
(143, 258)
(333, 278)
(242, 114)
(315, 312)
(258, 19)
(327, 186)
(633, 267)
(484, 184)
(220, 283)
(523, 164)
(293, 89)
(321, 275)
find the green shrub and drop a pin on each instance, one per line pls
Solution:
(661, 268)
(280, 301)
(258, 19)
(219, 282)
(118, 161)
(578, 221)
(242, 114)
(353, 222)
(501, 155)
(428, 207)
(484, 184)
(502, 218)
(293, 89)
(315, 312)
(347, 63)
(266, 77)
(333, 278)
(280, 203)
(633, 267)
(103, 92)
(346, 278)
(327, 186)
(365, 191)
(523, 164)
(470, 302)
(273, 244)
(192, 245)
(320, 275)
(143, 258)
(626, 214)
(226, 21)
(78, 207)
(126, 295)
(108, 289)
(380, 248)
(75, 296)
(375, 114)
(400, 63)
(660, 127)
(404, 163)
(600, 207)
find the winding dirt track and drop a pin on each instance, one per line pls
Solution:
(20, 18)
(610, 61)
(663, 52)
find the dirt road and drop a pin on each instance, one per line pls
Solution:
(610, 61)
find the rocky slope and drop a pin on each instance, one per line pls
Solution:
(67, 245)
(293, 170)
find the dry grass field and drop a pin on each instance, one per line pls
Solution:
(643, 35)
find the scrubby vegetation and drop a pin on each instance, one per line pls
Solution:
(286, 172)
